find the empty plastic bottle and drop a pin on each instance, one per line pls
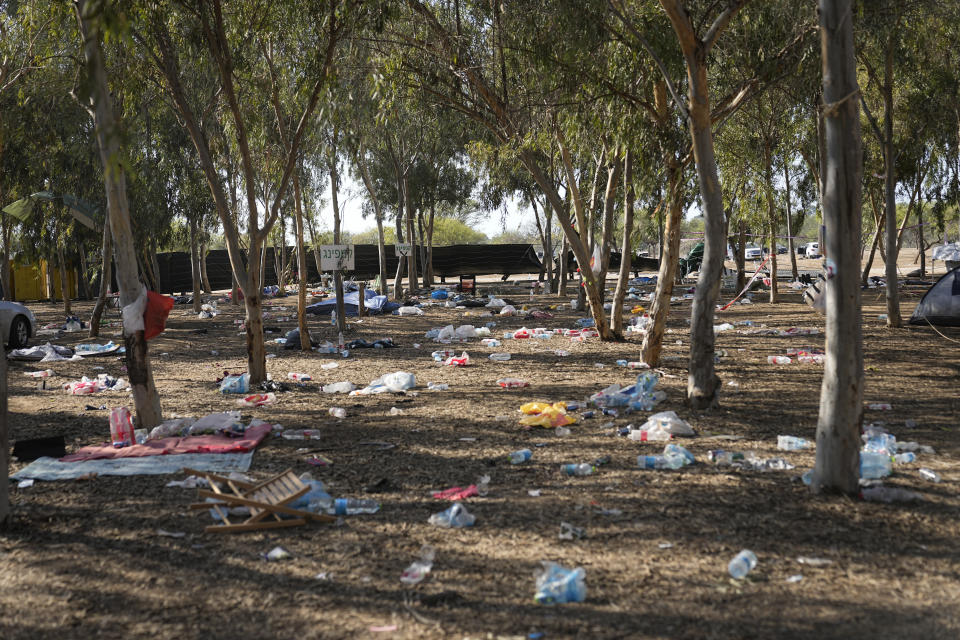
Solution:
(556, 585)
(520, 456)
(720, 457)
(500, 356)
(660, 462)
(354, 506)
(455, 517)
(582, 469)
(779, 360)
(338, 412)
(874, 465)
(299, 377)
(742, 564)
(418, 570)
(792, 443)
(905, 458)
(677, 450)
(929, 474)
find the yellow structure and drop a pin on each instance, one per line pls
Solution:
(30, 282)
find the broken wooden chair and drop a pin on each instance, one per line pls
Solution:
(267, 501)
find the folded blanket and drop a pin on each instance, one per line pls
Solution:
(169, 446)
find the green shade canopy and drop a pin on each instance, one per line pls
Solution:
(81, 210)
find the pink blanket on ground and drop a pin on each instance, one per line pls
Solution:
(165, 446)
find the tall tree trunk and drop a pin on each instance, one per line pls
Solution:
(301, 266)
(653, 340)
(790, 244)
(428, 265)
(337, 274)
(402, 262)
(51, 293)
(412, 258)
(626, 247)
(889, 185)
(841, 394)
(204, 279)
(740, 256)
(548, 247)
(564, 267)
(771, 219)
(64, 279)
(920, 243)
(195, 267)
(106, 276)
(873, 251)
(382, 256)
(155, 264)
(703, 385)
(145, 396)
(82, 279)
(543, 239)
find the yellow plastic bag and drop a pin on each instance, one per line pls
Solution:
(552, 416)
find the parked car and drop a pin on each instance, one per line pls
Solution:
(781, 249)
(17, 324)
(753, 252)
(801, 249)
(813, 250)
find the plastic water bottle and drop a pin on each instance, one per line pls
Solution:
(520, 456)
(929, 474)
(354, 506)
(556, 585)
(500, 357)
(742, 564)
(779, 360)
(874, 465)
(121, 427)
(582, 469)
(905, 458)
(660, 462)
(792, 443)
(677, 450)
(299, 377)
(455, 517)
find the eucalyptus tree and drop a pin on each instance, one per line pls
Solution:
(200, 36)
(890, 36)
(95, 19)
(841, 393)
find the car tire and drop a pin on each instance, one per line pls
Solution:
(19, 333)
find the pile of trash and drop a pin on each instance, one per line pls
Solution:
(103, 382)
(44, 353)
(226, 423)
(396, 382)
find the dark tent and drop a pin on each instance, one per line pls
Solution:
(941, 303)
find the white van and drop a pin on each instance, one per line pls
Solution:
(813, 250)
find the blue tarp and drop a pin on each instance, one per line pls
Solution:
(373, 303)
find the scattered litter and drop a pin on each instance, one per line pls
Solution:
(543, 415)
(418, 570)
(329, 365)
(25, 484)
(339, 387)
(171, 534)
(462, 361)
(570, 532)
(437, 386)
(742, 564)
(813, 561)
(533, 493)
(257, 400)
(299, 377)
(396, 382)
(455, 517)
(277, 553)
(301, 434)
(929, 474)
(557, 585)
(794, 578)
(512, 383)
(394, 411)
(190, 482)
(793, 443)
(456, 493)
(665, 545)
(338, 412)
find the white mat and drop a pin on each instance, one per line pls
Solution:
(53, 469)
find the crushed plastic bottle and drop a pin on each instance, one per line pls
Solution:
(354, 506)
(677, 450)
(299, 377)
(500, 356)
(881, 493)
(874, 465)
(455, 517)
(655, 433)
(929, 474)
(582, 469)
(742, 564)
(338, 412)
(557, 585)
(905, 458)
(518, 457)
(660, 462)
(793, 443)
(437, 386)
(778, 360)
(418, 570)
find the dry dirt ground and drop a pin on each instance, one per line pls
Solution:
(83, 559)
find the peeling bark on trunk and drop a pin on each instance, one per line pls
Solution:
(145, 396)
(653, 340)
(195, 267)
(203, 269)
(301, 267)
(841, 394)
(106, 276)
(626, 247)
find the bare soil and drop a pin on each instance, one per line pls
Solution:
(83, 559)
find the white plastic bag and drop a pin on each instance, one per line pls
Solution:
(465, 331)
(670, 422)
